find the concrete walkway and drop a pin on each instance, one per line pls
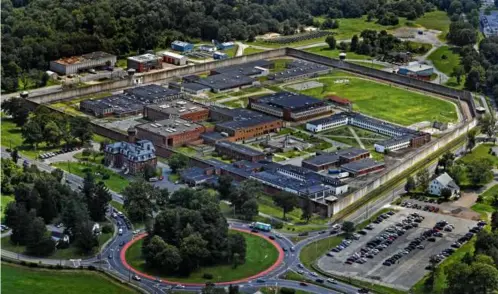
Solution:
(356, 137)
(240, 49)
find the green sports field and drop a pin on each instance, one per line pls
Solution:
(22, 280)
(385, 101)
(261, 254)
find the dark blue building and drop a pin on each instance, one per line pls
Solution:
(182, 46)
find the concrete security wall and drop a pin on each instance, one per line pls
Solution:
(425, 151)
(150, 77)
(395, 78)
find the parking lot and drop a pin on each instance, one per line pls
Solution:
(409, 267)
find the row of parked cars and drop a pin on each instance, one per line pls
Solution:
(54, 153)
(457, 244)
(429, 208)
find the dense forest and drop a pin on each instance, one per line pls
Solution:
(37, 31)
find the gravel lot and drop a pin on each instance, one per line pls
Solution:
(411, 267)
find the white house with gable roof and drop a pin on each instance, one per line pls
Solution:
(442, 182)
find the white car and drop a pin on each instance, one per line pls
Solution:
(180, 286)
(314, 274)
(120, 231)
(137, 278)
(332, 281)
(300, 272)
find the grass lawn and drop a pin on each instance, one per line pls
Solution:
(116, 182)
(93, 159)
(22, 280)
(5, 200)
(260, 255)
(252, 50)
(326, 51)
(479, 153)
(186, 150)
(351, 26)
(371, 98)
(239, 103)
(435, 20)
(267, 206)
(11, 138)
(449, 63)
(231, 52)
(173, 177)
(485, 207)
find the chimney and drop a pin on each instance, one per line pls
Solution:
(132, 135)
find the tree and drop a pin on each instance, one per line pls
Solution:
(249, 209)
(458, 72)
(15, 155)
(233, 289)
(423, 179)
(225, 186)
(446, 161)
(410, 184)
(480, 171)
(32, 133)
(177, 162)
(194, 251)
(483, 278)
(471, 139)
(307, 210)
(139, 198)
(330, 40)
(18, 109)
(81, 128)
(149, 172)
(285, 200)
(85, 239)
(348, 227)
(488, 125)
(354, 43)
(446, 194)
(494, 220)
(457, 278)
(211, 288)
(52, 133)
(38, 241)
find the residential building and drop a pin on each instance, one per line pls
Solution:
(238, 151)
(144, 62)
(182, 46)
(130, 156)
(290, 106)
(75, 64)
(443, 181)
(401, 137)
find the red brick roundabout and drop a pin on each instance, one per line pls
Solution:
(260, 274)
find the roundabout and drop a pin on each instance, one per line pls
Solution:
(263, 256)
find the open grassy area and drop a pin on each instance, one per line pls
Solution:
(485, 207)
(11, 138)
(267, 206)
(479, 153)
(351, 26)
(5, 200)
(326, 51)
(260, 255)
(445, 59)
(116, 182)
(435, 20)
(22, 280)
(405, 107)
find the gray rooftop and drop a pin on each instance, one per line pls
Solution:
(177, 107)
(168, 127)
(359, 165)
(289, 100)
(225, 81)
(297, 68)
(239, 148)
(246, 69)
(151, 92)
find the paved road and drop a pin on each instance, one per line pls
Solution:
(34, 92)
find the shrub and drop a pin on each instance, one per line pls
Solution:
(287, 291)
(105, 176)
(86, 152)
(106, 229)
(91, 268)
(444, 57)
(22, 262)
(32, 264)
(207, 276)
(278, 225)
(87, 170)
(59, 267)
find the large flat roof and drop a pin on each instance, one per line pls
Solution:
(225, 81)
(239, 148)
(177, 107)
(151, 92)
(245, 122)
(360, 165)
(144, 57)
(289, 100)
(168, 127)
(85, 57)
(247, 69)
(298, 68)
